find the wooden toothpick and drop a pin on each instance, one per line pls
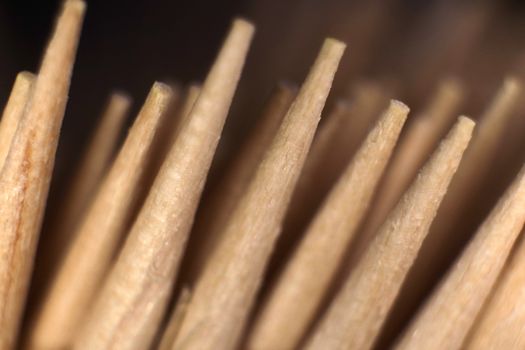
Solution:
(479, 156)
(26, 173)
(359, 309)
(448, 315)
(214, 216)
(414, 147)
(14, 110)
(293, 303)
(132, 302)
(225, 292)
(87, 261)
(444, 239)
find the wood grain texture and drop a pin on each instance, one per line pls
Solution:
(132, 302)
(293, 303)
(218, 208)
(102, 229)
(225, 292)
(358, 311)
(14, 110)
(446, 318)
(445, 238)
(26, 173)
(415, 146)
(334, 145)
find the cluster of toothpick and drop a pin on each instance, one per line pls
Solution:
(139, 259)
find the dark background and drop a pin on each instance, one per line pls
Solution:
(129, 44)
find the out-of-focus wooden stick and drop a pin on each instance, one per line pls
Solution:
(132, 302)
(175, 321)
(448, 315)
(214, 216)
(355, 316)
(27, 170)
(84, 186)
(14, 110)
(225, 292)
(293, 303)
(87, 261)
(96, 159)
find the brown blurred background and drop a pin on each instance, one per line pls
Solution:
(129, 44)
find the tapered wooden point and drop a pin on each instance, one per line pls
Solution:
(447, 233)
(355, 316)
(449, 314)
(131, 304)
(14, 110)
(414, 147)
(99, 233)
(219, 306)
(293, 303)
(26, 174)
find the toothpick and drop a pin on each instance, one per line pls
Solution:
(132, 302)
(293, 303)
(481, 153)
(501, 324)
(14, 110)
(26, 173)
(214, 216)
(446, 318)
(359, 309)
(175, 321)
(225, 292)
(444, 237)
(413, 149)
(87, 261)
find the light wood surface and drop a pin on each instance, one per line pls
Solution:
(225, 292)
(132, 302)
(217, 209)
(14, 110)
(90, 256)
(26, 174)
(446, 318)
(293, 303)
(358, 311)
